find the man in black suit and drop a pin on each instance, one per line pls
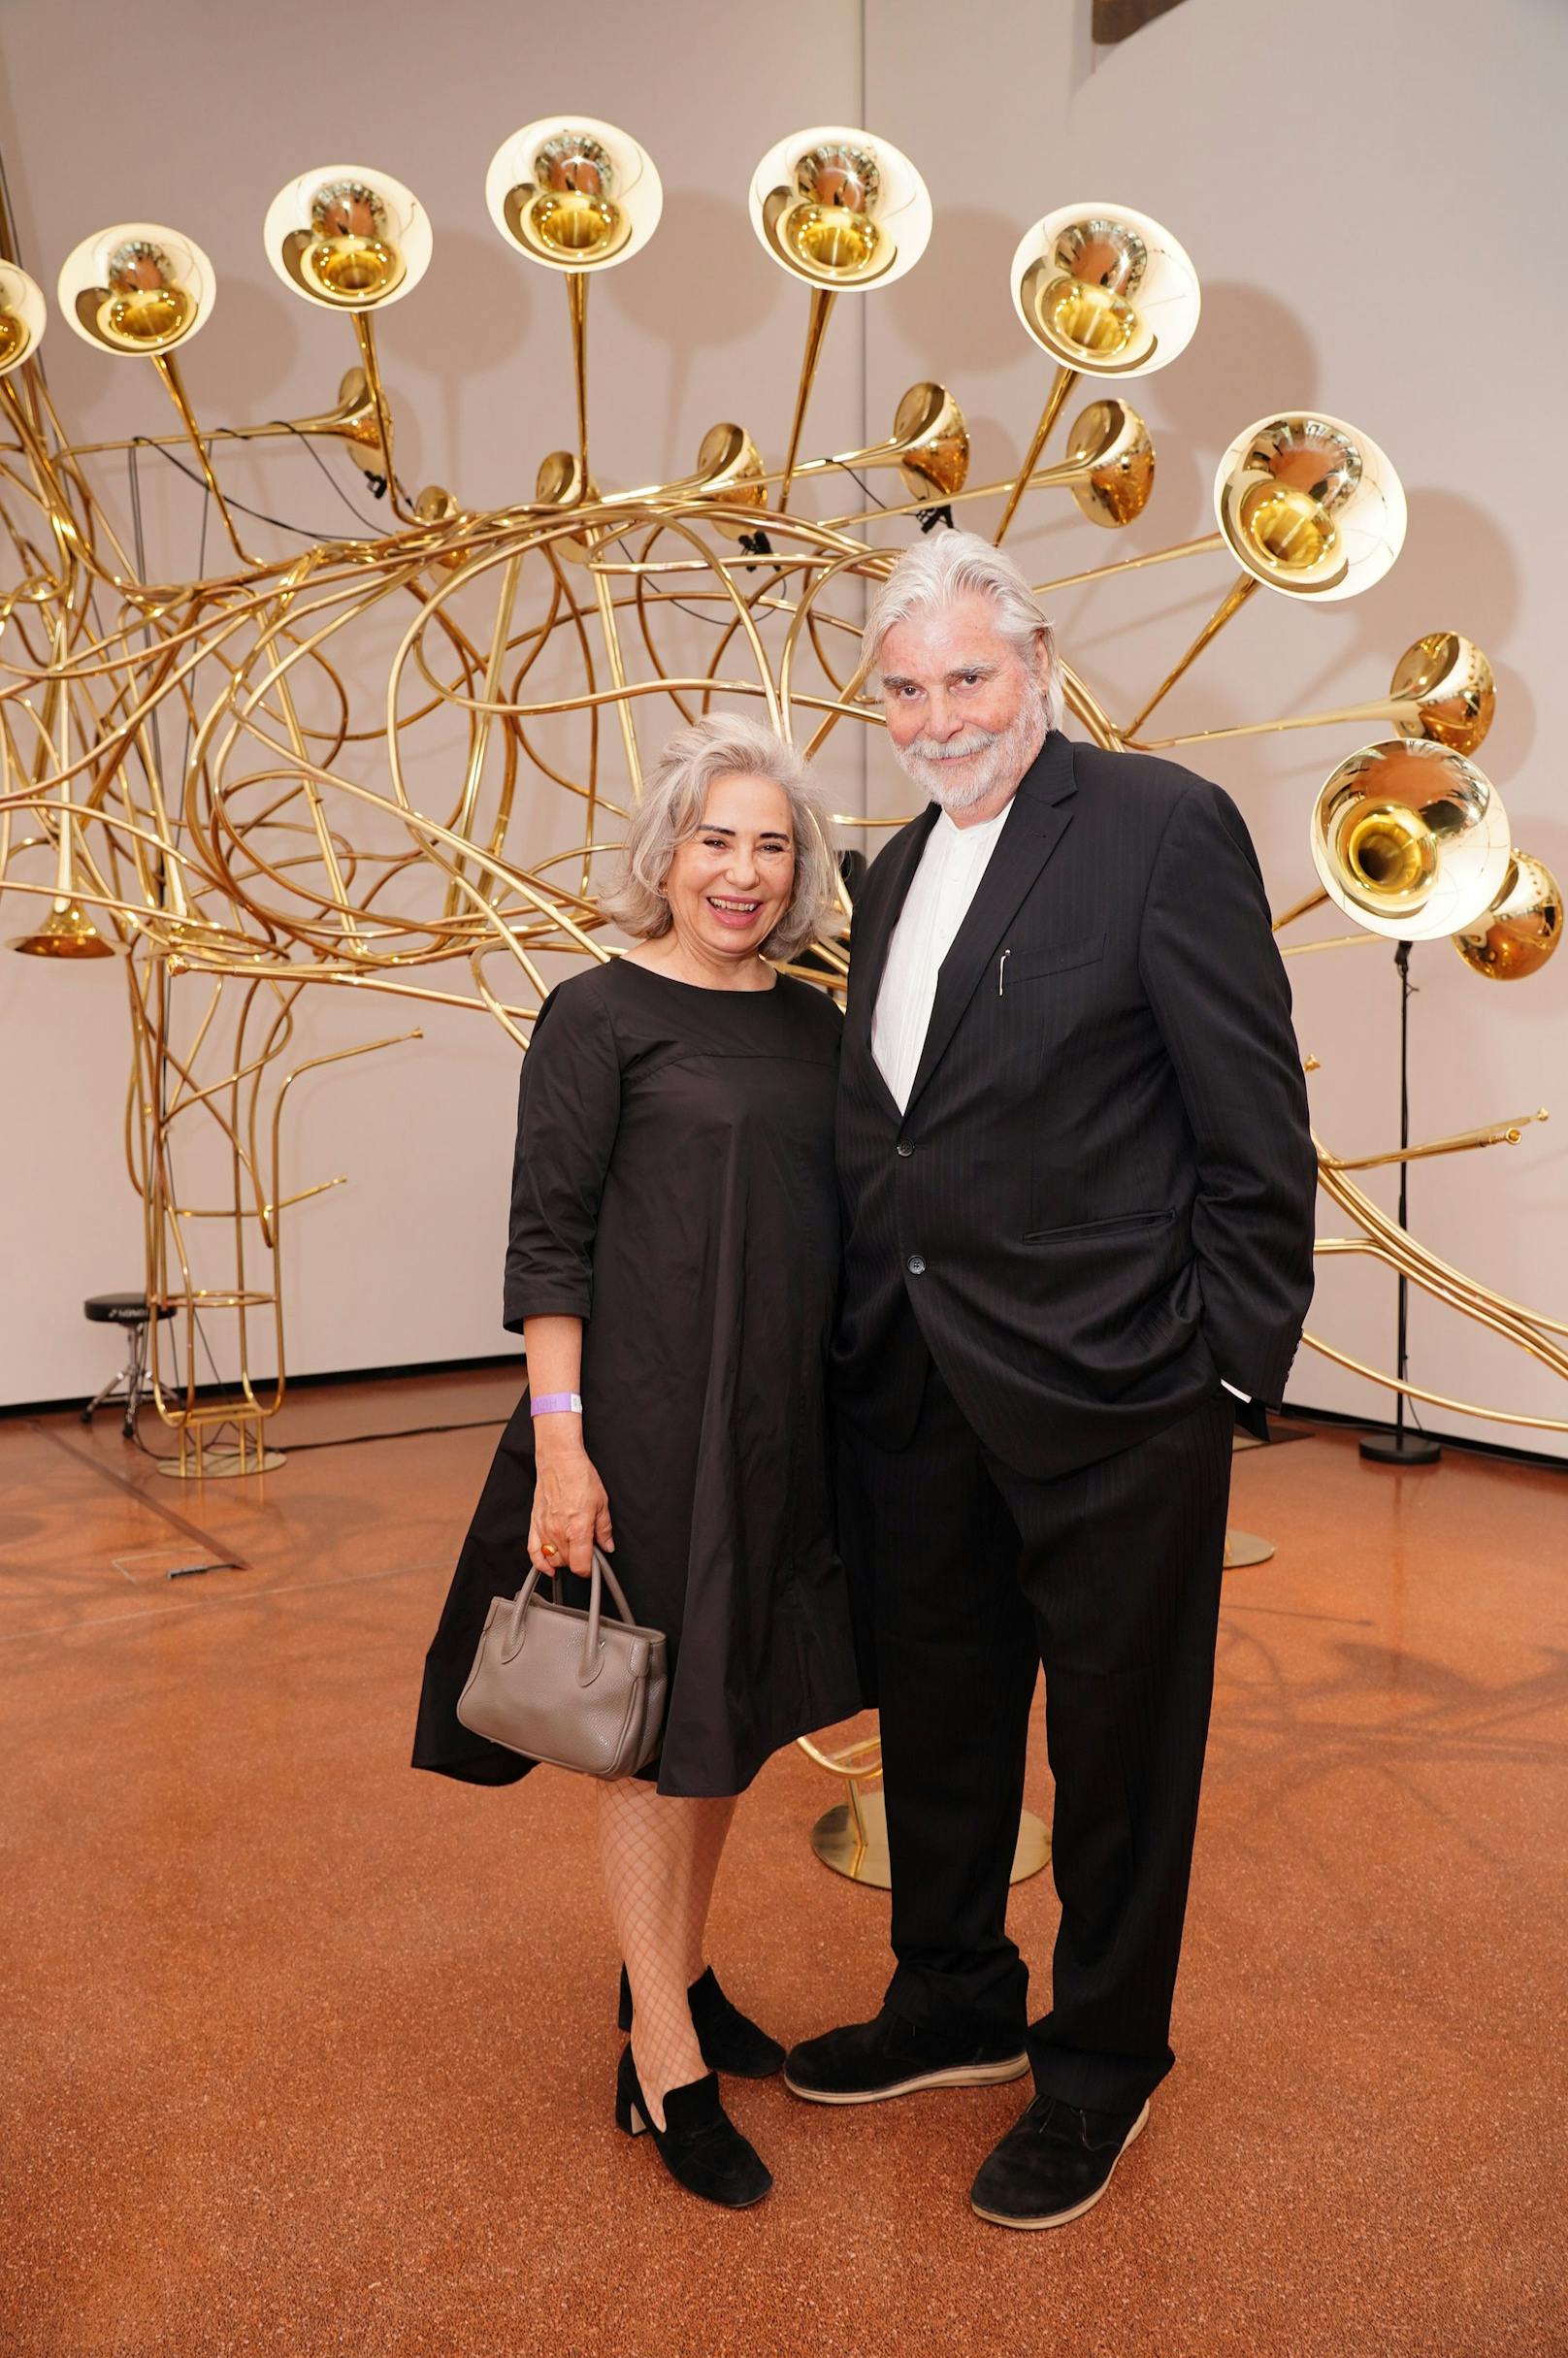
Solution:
(1078, 1189)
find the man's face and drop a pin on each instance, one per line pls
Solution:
(964, 709)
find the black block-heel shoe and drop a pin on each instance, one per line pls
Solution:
(698, 2145)
(729, 2039)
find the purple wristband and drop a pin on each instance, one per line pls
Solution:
(556, 1404)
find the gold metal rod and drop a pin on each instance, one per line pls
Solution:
(483, 719)
(1397, 708)
(1231, 603)
(821, 302)
(1299, 908)
(577, 304)
(165, 364)
(1335, 941)
(312, 1063)
(1402, 1251)
(1082, 701)
(1066, 380)
(365, 335)
(1499, 1133)
(1207, 544)
(1435, 1400)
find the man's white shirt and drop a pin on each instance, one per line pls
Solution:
(935, 905)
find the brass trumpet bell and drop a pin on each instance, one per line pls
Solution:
(1105, 290)
(840, 210)
(23, 316)
(1411, 841)
(558, 481)
(1310, 506)
(1451, 681)
(930, 446)
(347, 238)
(573, 193)
(67, 931)
(730, 472)
(136, 289)
(1521, 929)
(352, 421)
(1110, 443)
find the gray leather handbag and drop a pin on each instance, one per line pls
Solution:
(568, 1687)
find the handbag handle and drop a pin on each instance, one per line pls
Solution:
(592, 1648)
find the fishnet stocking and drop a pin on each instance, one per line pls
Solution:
(660, 1853)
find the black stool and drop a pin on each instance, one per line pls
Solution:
(130, 1311)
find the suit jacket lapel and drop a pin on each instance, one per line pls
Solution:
(1042, 808)
(870, 938)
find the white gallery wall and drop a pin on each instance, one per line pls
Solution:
(1352, 258)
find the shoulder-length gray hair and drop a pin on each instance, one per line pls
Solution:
(724, 745)
(937, 571)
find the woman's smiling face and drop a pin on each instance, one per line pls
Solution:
(730, 883)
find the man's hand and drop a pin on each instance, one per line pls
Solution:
(571, 1505)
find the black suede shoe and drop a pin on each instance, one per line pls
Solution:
(866, 2061)
(730, 2041)
(1052, 2165)
(698, 2145)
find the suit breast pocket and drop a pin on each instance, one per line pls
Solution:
(1037, 962)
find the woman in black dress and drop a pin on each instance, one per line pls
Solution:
(673, 1265)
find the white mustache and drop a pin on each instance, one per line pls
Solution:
(957, 749)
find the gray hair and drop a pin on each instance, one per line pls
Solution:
(936, 573)
(724, 745)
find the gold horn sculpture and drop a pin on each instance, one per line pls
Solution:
(68, 930)
(1442, 688)
(730, 475)
(1103, 291)
(1308, 506)
(353, 420)
(1519, 928)
(23, 317)
(930, 446)
(841, 210)
(141, 291)
(575, 195)
(350, 239)
(1110, 464)
(1410, 839)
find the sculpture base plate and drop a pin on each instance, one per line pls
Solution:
(221, 1464)
(1243, 1548)
(838, 1846)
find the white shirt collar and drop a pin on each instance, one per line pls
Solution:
(971, 838)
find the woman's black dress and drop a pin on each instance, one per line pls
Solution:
(674, 1188)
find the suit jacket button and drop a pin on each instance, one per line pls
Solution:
(904, 1148)
(916, 1267)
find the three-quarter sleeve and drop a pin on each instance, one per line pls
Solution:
(569, 1107)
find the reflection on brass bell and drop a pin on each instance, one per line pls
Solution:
(145, 307)
(347, 254)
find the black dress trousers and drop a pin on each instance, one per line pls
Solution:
(1108, 1575)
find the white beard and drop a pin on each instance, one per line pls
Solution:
(997, 758)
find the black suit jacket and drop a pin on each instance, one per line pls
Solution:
(1099, 1198)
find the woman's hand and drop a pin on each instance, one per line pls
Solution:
(571, 1505)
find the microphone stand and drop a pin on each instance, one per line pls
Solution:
(1402, 1447)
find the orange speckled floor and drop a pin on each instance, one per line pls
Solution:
(304, 2054)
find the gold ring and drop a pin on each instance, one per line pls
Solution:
(548, 1550)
